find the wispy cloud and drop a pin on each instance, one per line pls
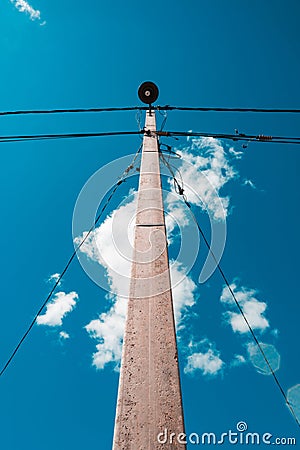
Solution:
(115, 257)
(108, 330)
(176, 214)
(64, 335)
(100, 247)
(238, 154)
(184, 291)
(24, 7)
(110, 245)
(205, 168)
(238, 360)
(206, 360)
(58, 308)
(253, 309)
(249, 183)
(54, 277)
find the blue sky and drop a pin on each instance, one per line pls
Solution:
(200, 53)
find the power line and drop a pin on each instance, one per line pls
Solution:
(144, 108)
(216, 109)
(71, 111)
(120, 181)
(175, 134)
(232, 137)
(244, 317)
(41, 137)
(179, 189)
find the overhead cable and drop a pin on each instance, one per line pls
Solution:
(174, 134)
(42, 137)
(144, 108)
(232, 137)
(216, 109)
(77, 248)
(180, 190)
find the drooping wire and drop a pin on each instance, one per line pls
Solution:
(40, 137)
(77, 248)
(168, 150)
(144, 108)
(138, 118)
(172, 169)
(181, 193)
(233, 137)
(70, 110)
(164, 114)
(173, 134)
(217, 109)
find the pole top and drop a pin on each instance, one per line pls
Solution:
(148, 92)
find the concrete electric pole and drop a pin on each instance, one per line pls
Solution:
(149, 397)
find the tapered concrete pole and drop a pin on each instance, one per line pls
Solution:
(149, 407)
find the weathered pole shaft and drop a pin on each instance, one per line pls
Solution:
(149, 396)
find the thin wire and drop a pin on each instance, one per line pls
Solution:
(144, 108)
(172, 168)
(138, 117)
(238, 305)
(165, 117)
(168, 151)
(70, 111)
(175, 134)
(233, 137)
(119, 182)
(40, 137)
(214, 109)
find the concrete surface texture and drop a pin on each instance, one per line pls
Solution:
(149, 396)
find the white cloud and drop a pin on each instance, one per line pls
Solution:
(252, 308)
(208, 361)
(183, 292)
(176, 215)
(206, 173)
(236, 153)
(111, 246)
(109, 330)
(249, 183)
(24, 6)
(238, 360)
(115, 257)
(54, 277)
(64, 335)
(58, 308)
